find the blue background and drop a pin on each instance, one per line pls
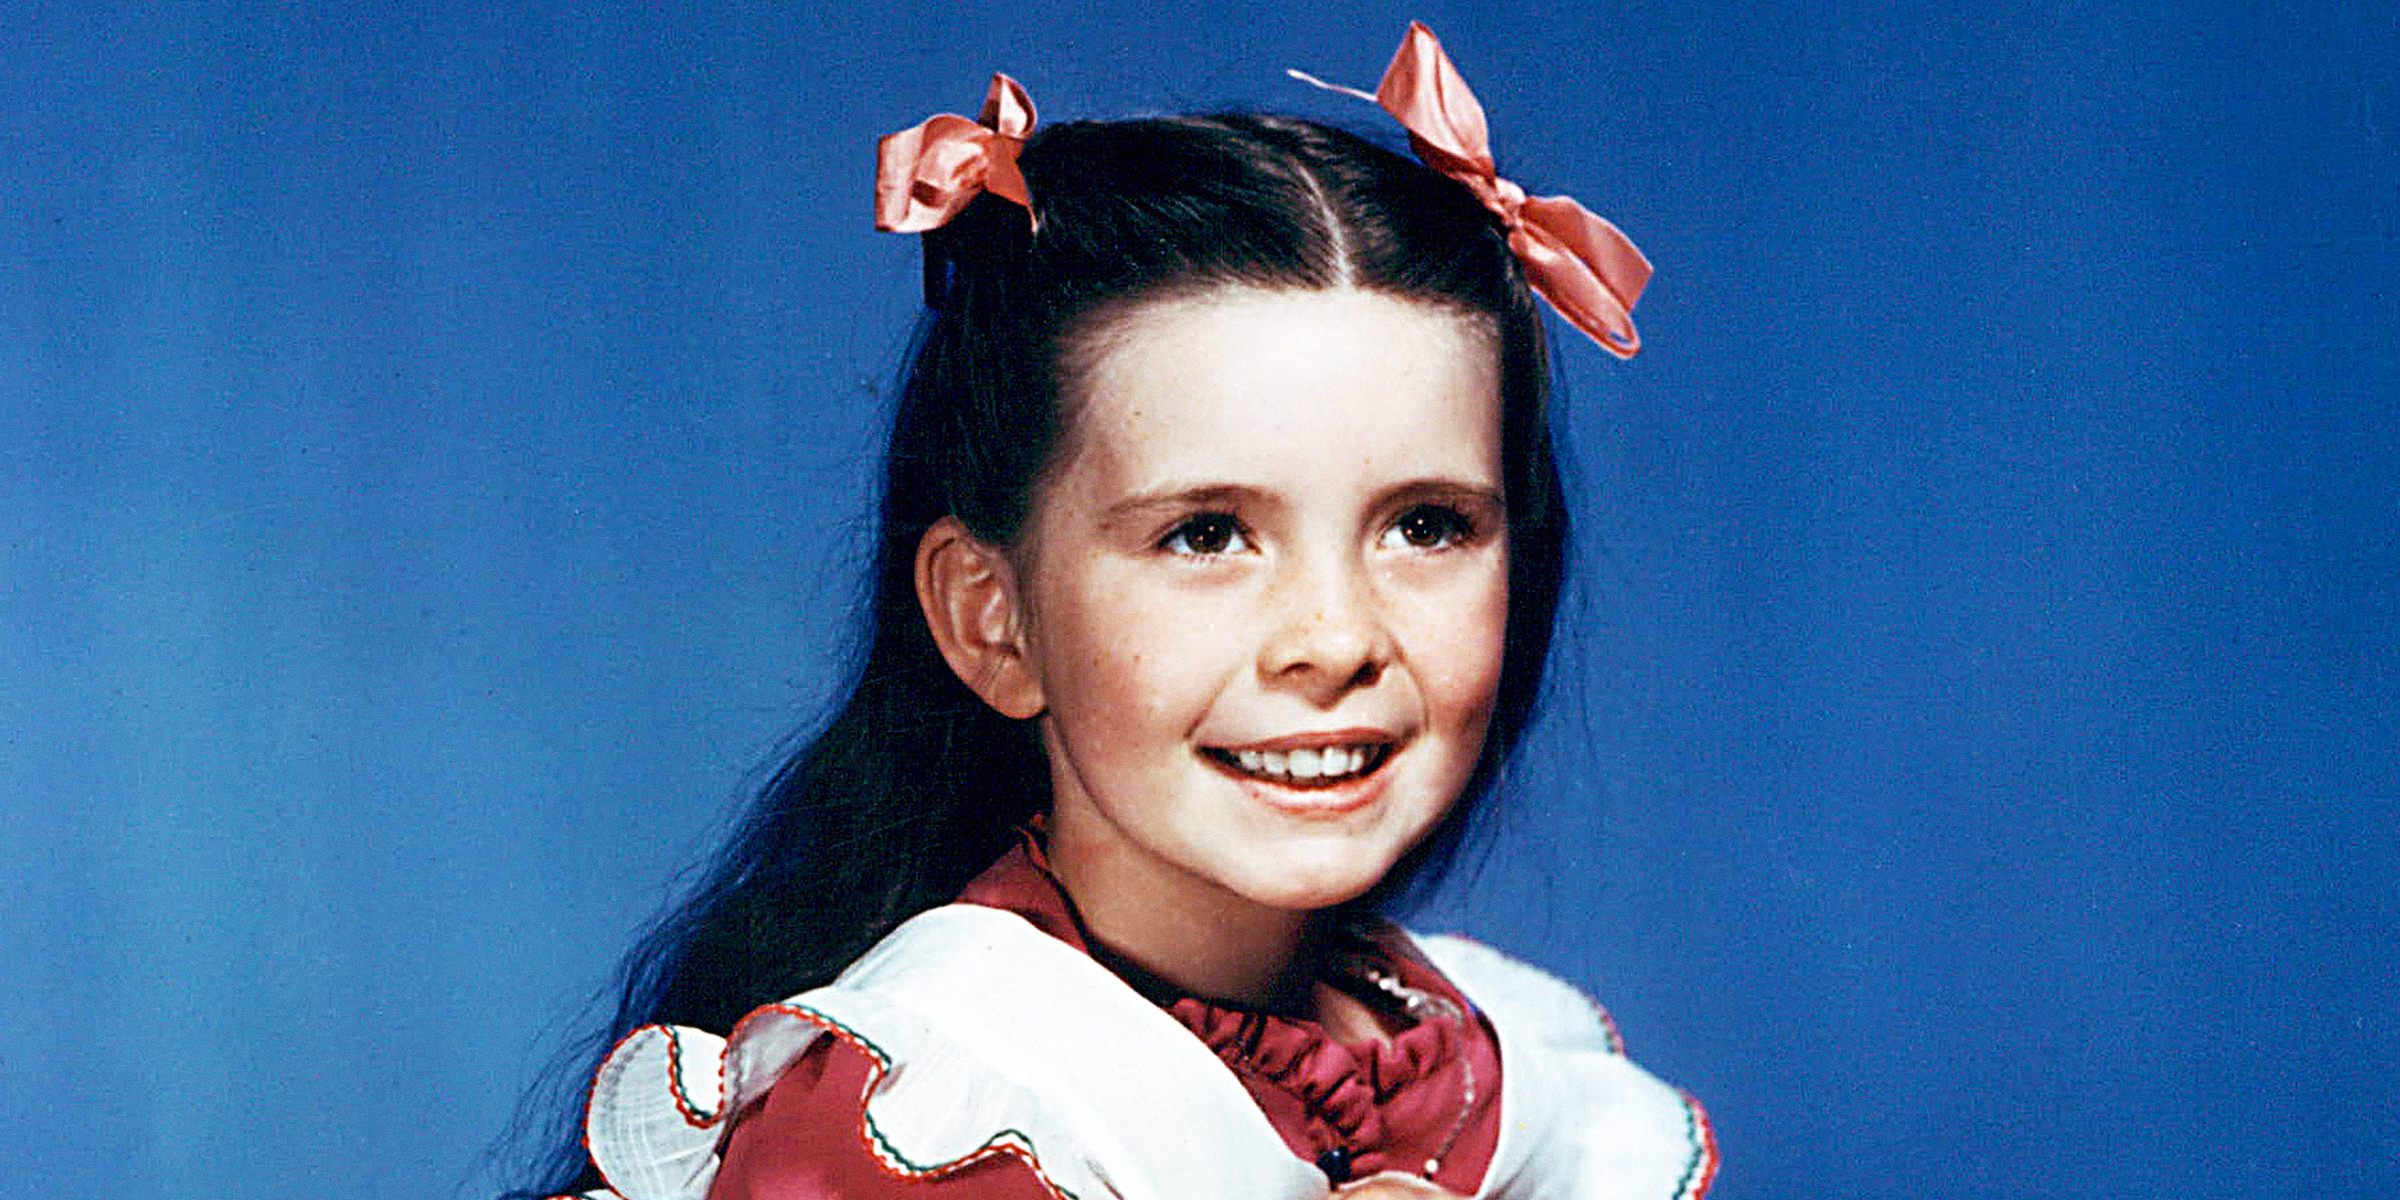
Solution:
(432, 475)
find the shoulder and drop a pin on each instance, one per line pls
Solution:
(967, 1046)
(1540, 1003)
(811, 1138)
(778, 1109)
(1582, 1118)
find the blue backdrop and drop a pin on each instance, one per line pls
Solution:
(432, 470)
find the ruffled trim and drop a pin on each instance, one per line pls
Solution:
(1072, 1062)
(1632, 1135)
(1327, 1096)
(1343, 1086)
(657, 1117)
(1701, 1170)
(1344, 1090)
(660, 1099)
(1327, 1079)
(984, 1037)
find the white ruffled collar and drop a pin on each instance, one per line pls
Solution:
(989, 1037)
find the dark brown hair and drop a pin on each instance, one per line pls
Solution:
(914, 785)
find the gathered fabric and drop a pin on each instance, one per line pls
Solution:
(1347, 1090)
(1425, 1095)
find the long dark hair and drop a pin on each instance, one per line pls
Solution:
(915, 785)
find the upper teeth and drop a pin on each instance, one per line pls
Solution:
(1330, 762)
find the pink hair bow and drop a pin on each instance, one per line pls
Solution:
(924, 175)
(1585, 267)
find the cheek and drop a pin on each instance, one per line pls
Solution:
(1484, 626)
(1461, 629)
(1104, 644)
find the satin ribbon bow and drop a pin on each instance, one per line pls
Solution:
(925, 174)
(1585, 267)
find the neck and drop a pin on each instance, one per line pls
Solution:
(1205, 940)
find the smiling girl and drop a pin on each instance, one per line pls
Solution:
(1219, 554)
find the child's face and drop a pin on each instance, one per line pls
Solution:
(1277, 548)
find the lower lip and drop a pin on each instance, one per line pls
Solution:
(1323, 800)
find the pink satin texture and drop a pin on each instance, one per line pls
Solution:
(1585, 267)
(925, 174)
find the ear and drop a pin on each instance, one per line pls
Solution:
(968, 590)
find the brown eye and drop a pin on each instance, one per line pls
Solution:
(1431, 527)
(1207, 533)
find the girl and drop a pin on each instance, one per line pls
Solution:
(1219, 553)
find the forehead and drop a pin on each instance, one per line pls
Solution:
(1248, 385)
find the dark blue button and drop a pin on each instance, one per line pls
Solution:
(1335, 1163)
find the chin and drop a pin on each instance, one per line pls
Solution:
(1309, 887)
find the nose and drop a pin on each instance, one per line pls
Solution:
(1329, 638)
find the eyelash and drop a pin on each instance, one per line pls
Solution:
(1179, 539)
(1452, 527)
(1449, 527)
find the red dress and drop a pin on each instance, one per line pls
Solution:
(1352, 1109)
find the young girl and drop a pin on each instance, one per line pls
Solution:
(1219, 553)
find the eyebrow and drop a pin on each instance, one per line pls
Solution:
(1447, 489)
(1174, 497)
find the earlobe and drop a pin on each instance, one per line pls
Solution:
(968, 592)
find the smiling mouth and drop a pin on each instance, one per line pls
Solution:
(1320, 767)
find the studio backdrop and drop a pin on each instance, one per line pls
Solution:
(436, 445)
